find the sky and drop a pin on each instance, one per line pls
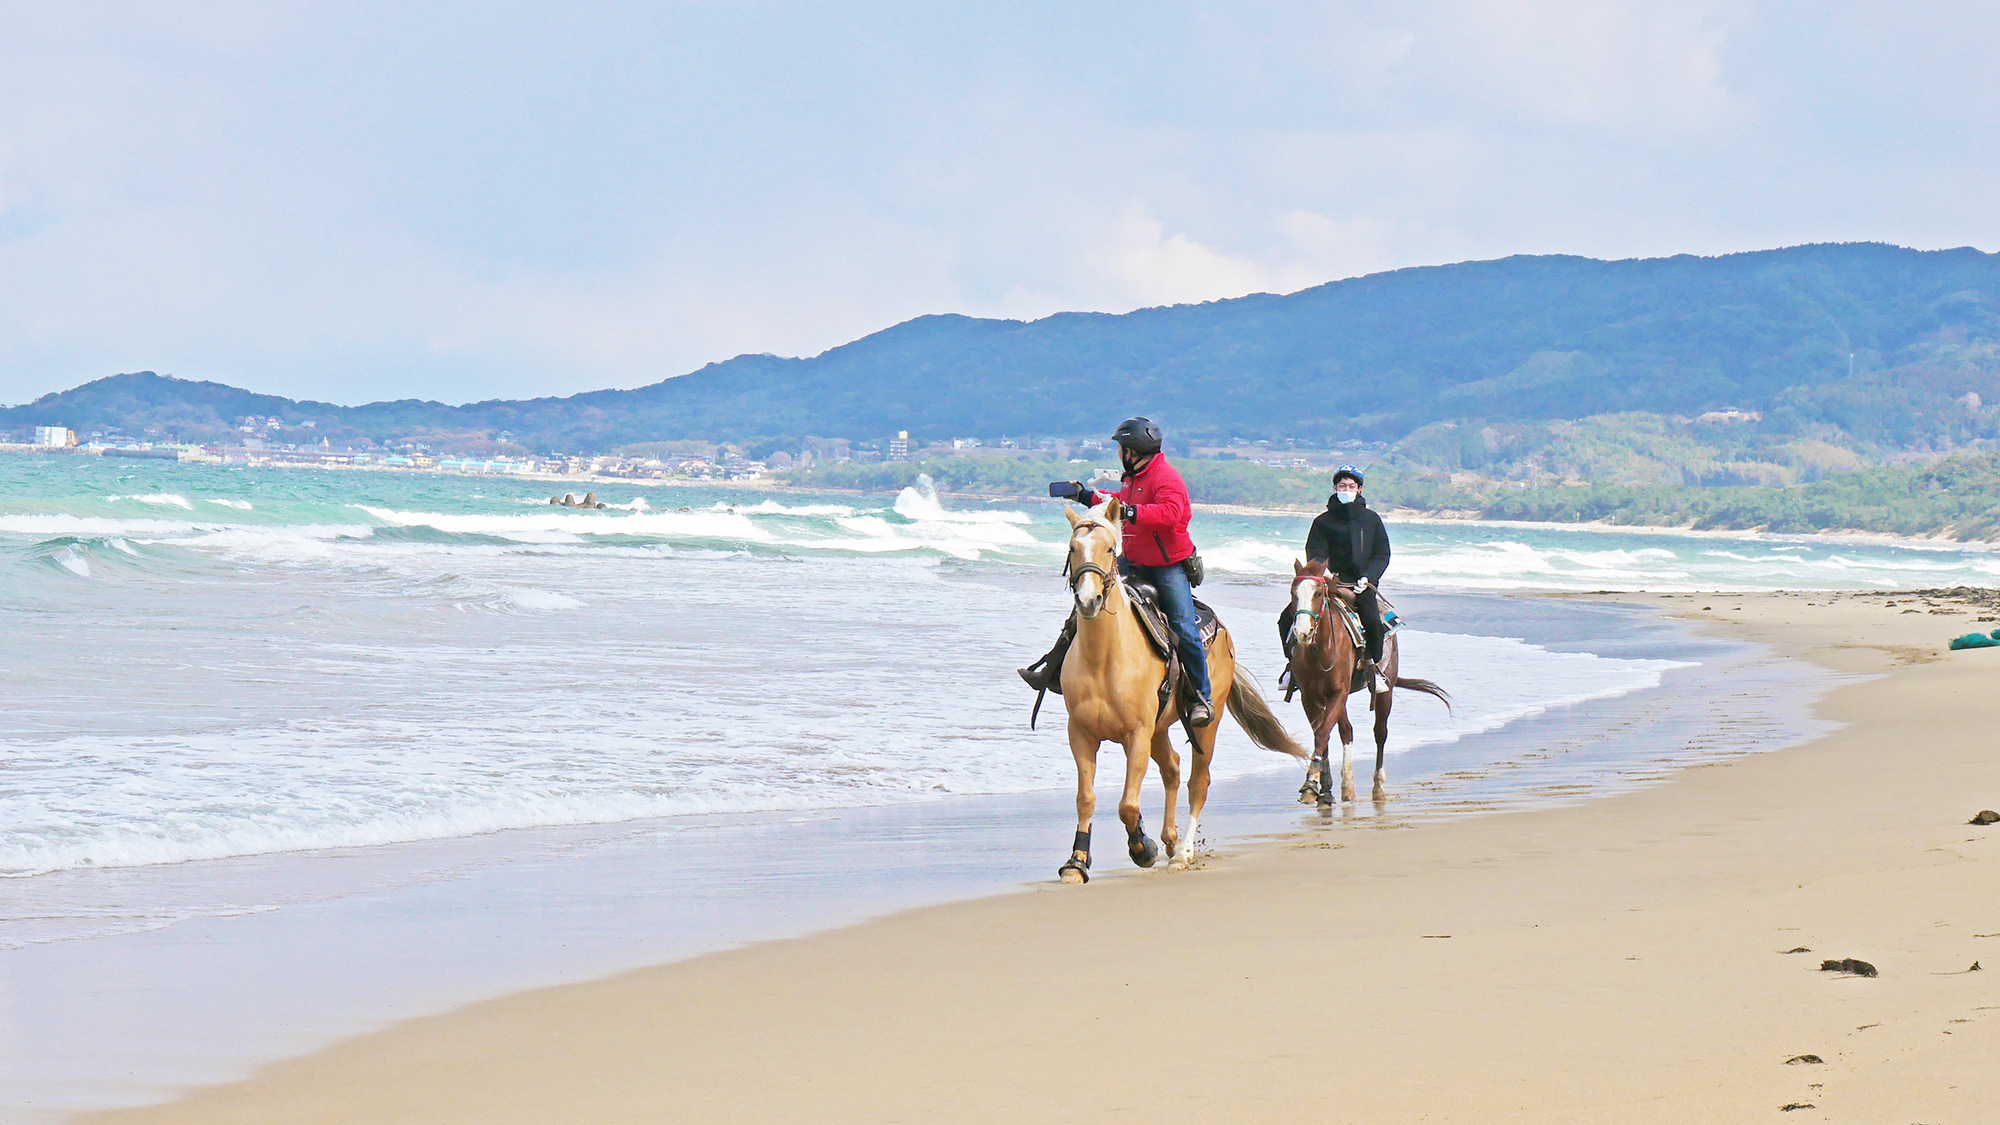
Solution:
(466, 201)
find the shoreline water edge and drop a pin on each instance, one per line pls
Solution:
(378, 756)
(1645, 956)
(276, 955)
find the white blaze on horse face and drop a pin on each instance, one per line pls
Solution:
(1303, 590)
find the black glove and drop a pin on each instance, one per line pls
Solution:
(1129, 513)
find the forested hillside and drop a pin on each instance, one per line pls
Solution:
(1487, 353)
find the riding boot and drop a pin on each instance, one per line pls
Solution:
(1046, 674)
(1200, 714)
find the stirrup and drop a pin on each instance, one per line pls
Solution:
(1199, 708)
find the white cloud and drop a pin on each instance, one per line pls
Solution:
(462, 201)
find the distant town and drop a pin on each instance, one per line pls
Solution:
(270, 441)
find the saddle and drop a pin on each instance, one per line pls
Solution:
(1145, 601)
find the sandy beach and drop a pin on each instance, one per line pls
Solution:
(1623, 959)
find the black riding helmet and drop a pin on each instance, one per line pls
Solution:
(1140, 435)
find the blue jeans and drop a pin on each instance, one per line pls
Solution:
(1177, 598)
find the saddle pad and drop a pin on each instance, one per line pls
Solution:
(1206, 623)
(1355, 632)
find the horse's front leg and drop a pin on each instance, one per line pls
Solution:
(1170, 780)
(1083, 747)
(1346, 754)
(1138, 845)
(1319, 775)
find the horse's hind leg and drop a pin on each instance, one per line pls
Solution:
(1170, 780)
(1197, 780)
(1382, 703)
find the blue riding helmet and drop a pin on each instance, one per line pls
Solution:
(1348, 471)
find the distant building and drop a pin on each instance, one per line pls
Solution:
(55, 437)
(899, 446)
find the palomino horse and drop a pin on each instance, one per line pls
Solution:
(1323, 662)
(1110, 682)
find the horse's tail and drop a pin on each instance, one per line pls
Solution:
(1250, 711)
(1425, 686)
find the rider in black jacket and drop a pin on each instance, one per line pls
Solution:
(1350, 539)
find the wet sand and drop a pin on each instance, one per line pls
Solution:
(1619, 959)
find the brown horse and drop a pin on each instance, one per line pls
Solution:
(1323, 663)
(1110, 685)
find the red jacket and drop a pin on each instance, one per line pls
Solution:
(1158, 535)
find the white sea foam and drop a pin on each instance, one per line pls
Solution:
(165, 499)
(528, 727)
(542, 599)
(773, 508)
(538, 526)
(239, 505)
(921, 503)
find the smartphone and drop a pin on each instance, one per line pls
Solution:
(1067, 489)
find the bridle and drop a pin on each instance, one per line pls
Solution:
(1076, 571)
(1327, 585)
(1322, 579)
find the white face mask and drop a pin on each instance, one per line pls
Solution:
(1346, 495)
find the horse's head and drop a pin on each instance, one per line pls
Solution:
(1309, 590)
(1096, 539)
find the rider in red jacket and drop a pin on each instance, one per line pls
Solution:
(1157, 510)
(1156, 513)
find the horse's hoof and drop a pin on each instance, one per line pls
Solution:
(1178, 863)
(1308, 795)
(1076, 870)
(1144, 852)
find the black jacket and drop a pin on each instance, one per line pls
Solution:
(1333, 541)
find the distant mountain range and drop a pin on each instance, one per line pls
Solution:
(1521, 339)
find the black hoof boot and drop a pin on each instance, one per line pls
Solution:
(1141, 847)
(1077, 868)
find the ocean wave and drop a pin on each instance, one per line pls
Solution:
(773, 508)
(542, 599)
(490, 741)
(165, 499)
(239, 505)
(920, 503)
(699, 525)
(57, 523)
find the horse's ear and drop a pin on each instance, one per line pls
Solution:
(1298, 568)
(1114, 512)
(1070, 511)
